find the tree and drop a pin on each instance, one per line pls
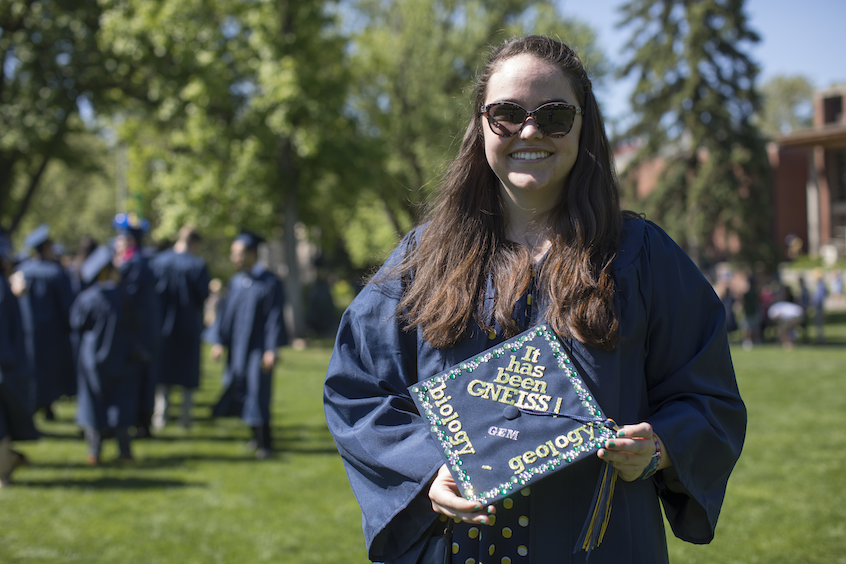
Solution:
(243, 123)
(788, 105)
(77, 199)
(413, 61)
(695, 100)
(51, 66)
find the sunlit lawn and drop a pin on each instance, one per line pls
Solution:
(199, 496)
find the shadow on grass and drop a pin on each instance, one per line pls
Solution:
(304, 439)
(109, 483)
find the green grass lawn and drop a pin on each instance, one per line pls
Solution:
(199, 496)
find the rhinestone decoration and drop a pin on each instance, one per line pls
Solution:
(601, 431)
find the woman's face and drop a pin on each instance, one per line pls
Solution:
(532, 167)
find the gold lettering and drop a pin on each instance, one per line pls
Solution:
(514, 365)
(438, 391)
(526, 369)
(575, 437)
(473, 390)
(516, 464)
(527, 383)
(538, 371)
(506, 395)
(450, 418)
(558, 405)
(520, 399)
(501, 376)
(528, 355)
(540, 386)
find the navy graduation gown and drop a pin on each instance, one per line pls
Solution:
(182, 286)
(671, 368)
(249, 322)
(45, 308)
(108, 383)
(143, 313)
(16, 386)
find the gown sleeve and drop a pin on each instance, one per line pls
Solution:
(694, 403)
(385, 445)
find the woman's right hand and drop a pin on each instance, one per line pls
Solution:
(447, 500)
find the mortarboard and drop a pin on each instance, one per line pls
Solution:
(251, 240)
(37, 236)
(95, 263)
(130, 222)
(515, 414)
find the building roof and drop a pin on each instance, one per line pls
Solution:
(831, 136)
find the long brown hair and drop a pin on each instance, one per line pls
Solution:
(465, 241)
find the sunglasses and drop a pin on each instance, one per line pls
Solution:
(554, 119)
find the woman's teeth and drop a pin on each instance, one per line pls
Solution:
(530, 155)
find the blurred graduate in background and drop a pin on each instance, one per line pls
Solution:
(15, 374)
(142, 307)
(109, 377)
(250, 325)
(182, 286)
(45, 305)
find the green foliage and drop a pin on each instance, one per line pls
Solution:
(340, 115)
(694, 103)
(413, 62)
(79, 200)
(788, 105)
(51, 65)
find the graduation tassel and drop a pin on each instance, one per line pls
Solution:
(600, 514)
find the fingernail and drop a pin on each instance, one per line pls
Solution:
(477, 508)
(601, 453)
(490, 509)
(621, 433)
(611, 444)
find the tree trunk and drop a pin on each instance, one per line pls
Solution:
(289, 181)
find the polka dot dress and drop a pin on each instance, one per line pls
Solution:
(504, 541)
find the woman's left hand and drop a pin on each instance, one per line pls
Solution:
(632, 450)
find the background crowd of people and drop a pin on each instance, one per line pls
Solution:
(769, 308)
(120, 324)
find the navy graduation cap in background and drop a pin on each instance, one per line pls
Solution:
(95, 263)
(514, 414)
(251, 240)
(37, 236)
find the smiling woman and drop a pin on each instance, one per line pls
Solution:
(527, 229)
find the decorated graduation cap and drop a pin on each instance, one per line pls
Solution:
(130, 223)
(251, 240)
(37, 236)
(99, 259)
(515, 414)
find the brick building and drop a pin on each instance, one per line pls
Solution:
(809, 179)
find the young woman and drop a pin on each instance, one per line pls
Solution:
(528, 229)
